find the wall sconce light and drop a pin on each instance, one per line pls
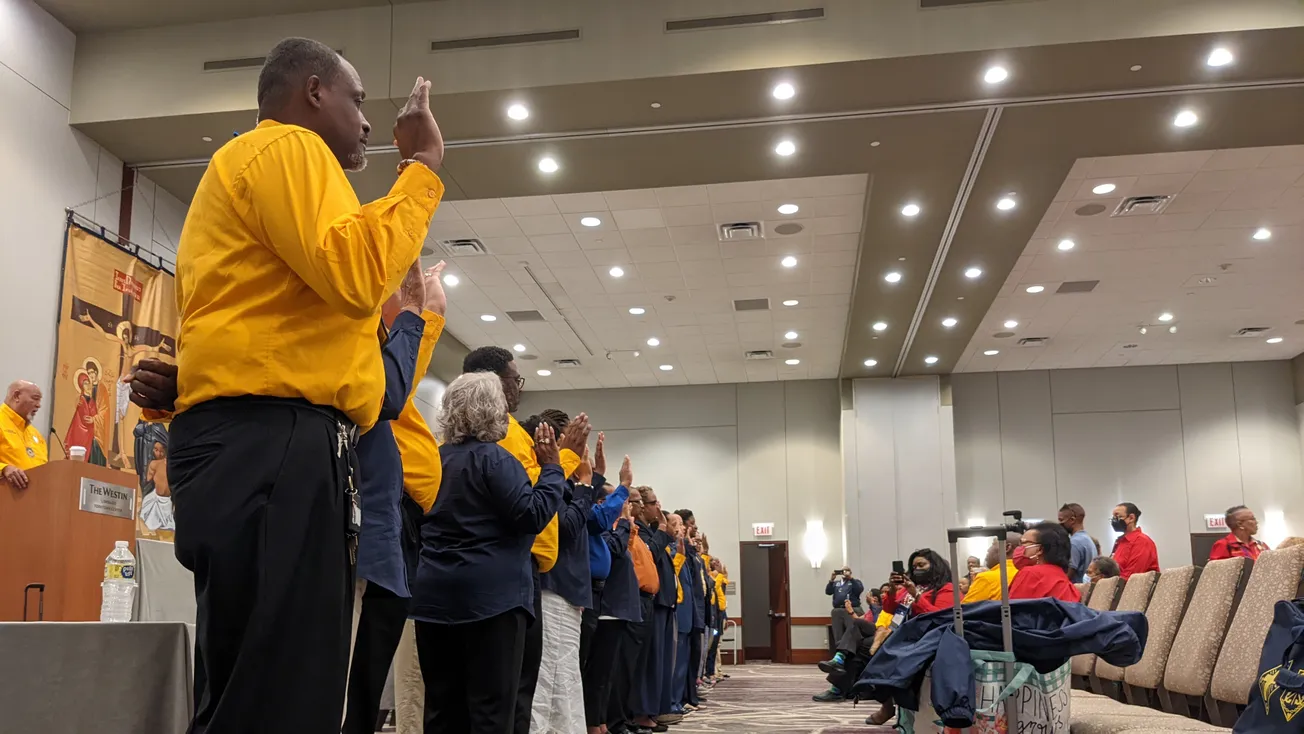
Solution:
(815, 543)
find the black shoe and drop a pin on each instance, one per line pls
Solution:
(829, 696)
(660, 728)
(832, 667)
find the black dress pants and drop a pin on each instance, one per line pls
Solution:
(694, 665)
(600, 668)
(631, 662)
(531, 659)
(380, 627)
(259, 491)
(858, 630)
(472, 672)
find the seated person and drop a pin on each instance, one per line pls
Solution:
(1050, 555)
(927, 587)
(1102, 567)
(986, 585)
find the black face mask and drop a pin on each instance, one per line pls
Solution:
(1119, 525)
(918, 575)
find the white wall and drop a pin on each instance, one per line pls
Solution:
(1179, 441)
(48, 167)
(735, 455)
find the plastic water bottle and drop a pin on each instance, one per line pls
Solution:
(118, 591)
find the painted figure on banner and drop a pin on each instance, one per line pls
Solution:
(82, 428)
(155, 519)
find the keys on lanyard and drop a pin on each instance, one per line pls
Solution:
(344, 439)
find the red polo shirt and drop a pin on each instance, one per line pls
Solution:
(1135, 552)
(1043, 581)
(1232, 547)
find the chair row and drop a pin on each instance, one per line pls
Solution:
(1201, 660)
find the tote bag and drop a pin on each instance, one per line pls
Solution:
(1277, 701)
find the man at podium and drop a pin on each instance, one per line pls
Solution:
(21, 447)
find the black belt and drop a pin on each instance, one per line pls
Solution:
(599, 584)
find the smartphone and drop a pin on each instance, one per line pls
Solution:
(898, 568)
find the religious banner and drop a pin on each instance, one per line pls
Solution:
(116, 309)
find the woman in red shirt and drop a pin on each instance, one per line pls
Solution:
(927, 586)
(1049, 552)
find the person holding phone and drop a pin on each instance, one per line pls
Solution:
(844, 587)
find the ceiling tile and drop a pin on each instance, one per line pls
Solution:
(480, 209)
(577, 203)
(681, 216)
(555, 243)
(639, 219)
(632, 199)
(543, 224)
(525, 206)
(683, 196)
(505, 227)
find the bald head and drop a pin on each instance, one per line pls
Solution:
(1012, 541)
(24, 398)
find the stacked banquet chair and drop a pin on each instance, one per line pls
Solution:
(1211, 665)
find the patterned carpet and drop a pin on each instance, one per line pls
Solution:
(775, 699)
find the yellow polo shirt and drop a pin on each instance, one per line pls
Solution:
(281, 273)
(986, 585)
(521, 445)
(20, 442)
(422, 470)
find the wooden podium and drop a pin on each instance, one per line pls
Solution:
(46, 537)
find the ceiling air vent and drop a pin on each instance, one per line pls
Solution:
(515, 39)
(1033, 341)
(464, 247)
(734, 21)
(250, 62)
(524, 316)
(759, 355)
(566, 364)
(1137, 206)
(752, 304)
(741, 231)
(1249, 331)
(925, 4)
(1077, 286)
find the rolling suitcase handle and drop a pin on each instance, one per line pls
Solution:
(999, 531)
(40, 601)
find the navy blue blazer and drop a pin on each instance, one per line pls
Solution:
(659, 543)
(620, 597)
(570, 578)
(475, 541)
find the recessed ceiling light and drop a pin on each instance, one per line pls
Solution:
(617, 272)
(792, 362)
(930, 360)
(1165, 316)
(518, 111)
(783, 90)
(879, 326)
(972, 273)
(1136, 67)
(871, 362)
(1036, 288)
(1066, 245)
(910, 210)
(519, 347)
(789, 262)
(1262, 233)
(638, 311)
(488, 317)
(656, 105)
(451, 280)
(893, 277)
(666, 368)
(790, 335)
(996, 74)
(548, 165)
(791, 302)
(1172, 329)
(654, 342)
(1104, 188)
(1275, 340)
(786, 148)
(1011, 324)
(874, 144)
(1006, 203)
(207, 139)
(1185, 118)
(590, 221)
(788, 208)
(543, 373)
(949, 321)
(1219, 57)
(992, 352)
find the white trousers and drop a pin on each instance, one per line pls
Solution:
(409, 687)
(559, 697)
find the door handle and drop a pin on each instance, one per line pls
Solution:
(777, 615)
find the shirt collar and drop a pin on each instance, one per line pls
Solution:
(12, 416)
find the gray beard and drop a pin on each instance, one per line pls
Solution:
(357, 162)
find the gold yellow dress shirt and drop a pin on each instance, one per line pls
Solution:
(679, 588)
(721, 581)
(20, 442)
(422, 470)
(986, 585)
(521, 445)
(281, 273)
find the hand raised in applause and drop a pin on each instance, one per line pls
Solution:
(600, 456)
(436, 299)
(545, 445)
(626, 472)
(584, 474)
(412, 291)
(153, 384)
(416, 134)
(576, 435)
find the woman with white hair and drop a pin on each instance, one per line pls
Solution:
(474, 589)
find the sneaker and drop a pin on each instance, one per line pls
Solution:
(659, 728)
(832, 667)
(671, 718)
(828, 696)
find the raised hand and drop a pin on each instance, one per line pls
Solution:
(436, 299)
(626, 472)
(576, 435)
(600, 456)
(412, 291)
(416, 134)
(584, 474)
(545, 445)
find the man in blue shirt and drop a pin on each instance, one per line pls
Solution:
(844, 587)
(1071, 517)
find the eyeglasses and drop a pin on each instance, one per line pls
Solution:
(520, 382)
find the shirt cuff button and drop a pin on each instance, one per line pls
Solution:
(430, 193)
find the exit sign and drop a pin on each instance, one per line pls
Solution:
(763, 529)
(1215, 522)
